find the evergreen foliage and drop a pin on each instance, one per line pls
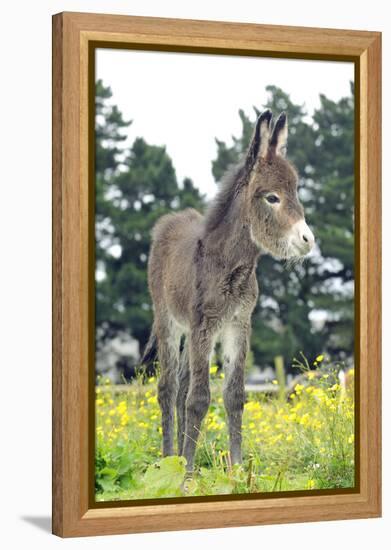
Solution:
(307, 307)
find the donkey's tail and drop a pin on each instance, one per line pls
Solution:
(150, 351)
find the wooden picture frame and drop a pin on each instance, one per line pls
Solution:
(75, 35)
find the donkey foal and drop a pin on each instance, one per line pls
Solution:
(201, 275)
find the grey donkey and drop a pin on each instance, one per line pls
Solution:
(201, 274)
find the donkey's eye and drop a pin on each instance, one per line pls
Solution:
(272, 199)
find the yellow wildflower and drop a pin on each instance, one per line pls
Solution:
(121, 405)
(124, 419)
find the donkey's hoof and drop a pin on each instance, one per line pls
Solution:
(187, 483)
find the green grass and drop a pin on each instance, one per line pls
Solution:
(303, 442)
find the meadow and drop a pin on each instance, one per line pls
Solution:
(300, 438)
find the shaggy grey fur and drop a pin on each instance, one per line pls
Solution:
(201, 274)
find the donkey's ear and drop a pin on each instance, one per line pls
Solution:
(279, 137)
(260, 140)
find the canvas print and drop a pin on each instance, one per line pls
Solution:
(224, 277)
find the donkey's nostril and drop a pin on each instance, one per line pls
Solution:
(302, 237)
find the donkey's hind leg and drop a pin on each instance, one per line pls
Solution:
(168, 353)
(183, 390)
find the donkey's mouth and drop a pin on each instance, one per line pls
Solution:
(284, 250)
(299, 251)
(289, 250)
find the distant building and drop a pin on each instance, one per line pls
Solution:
(117, 357)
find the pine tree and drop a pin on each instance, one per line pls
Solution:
(134, 187)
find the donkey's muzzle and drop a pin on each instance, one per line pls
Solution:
(302, 238)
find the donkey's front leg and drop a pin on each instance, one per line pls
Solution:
(198, 397)
(235, 341)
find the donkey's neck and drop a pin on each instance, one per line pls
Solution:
(230, 238)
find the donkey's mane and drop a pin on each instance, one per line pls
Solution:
(229, 186)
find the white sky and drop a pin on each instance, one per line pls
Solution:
(184, 101)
